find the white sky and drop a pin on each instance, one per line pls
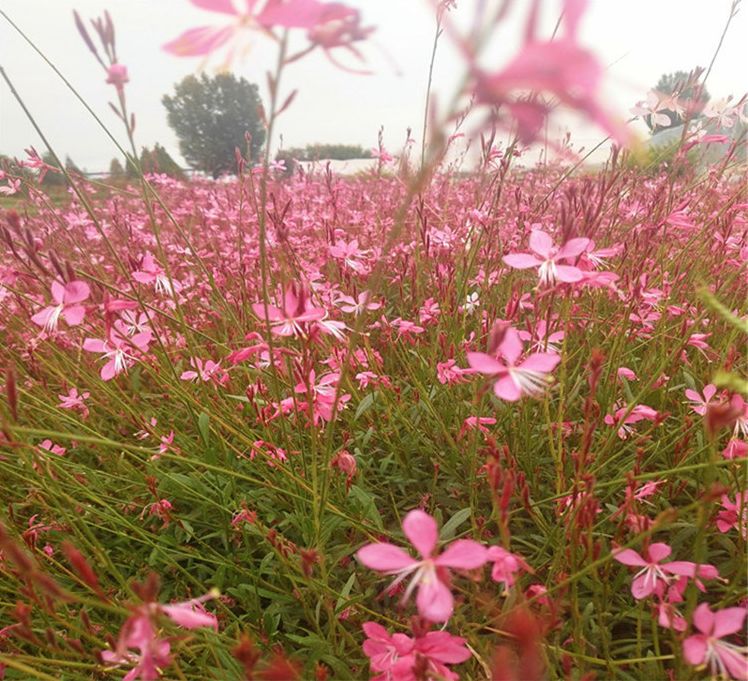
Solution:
(638, 39)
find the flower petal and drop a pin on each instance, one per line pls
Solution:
(735, 663)
(484, 364)
(511, 345)
(694, 649)
(658, 552)
(643, 586)
(223, 6)
(58, 292)
(629, 557)
(42, 317)
(506, 389)
(541, 243)
(573, 248)
(521, 261)
(728, 621)
(422, 531)
(463, 554)
(185, 615)
(76, 292)
(434, 600)
(197, 42)
(74, 314)
(703, 619)
(384, 557)
(541, 361)
(94, 345)
(108, 371)
(569, 274)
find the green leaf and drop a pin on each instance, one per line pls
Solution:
(450, 527)
(203, 423)
(344, 593)
(369, 508)
(364, 405)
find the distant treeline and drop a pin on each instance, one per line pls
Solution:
(324, 152)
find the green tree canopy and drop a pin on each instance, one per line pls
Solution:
(116, 171)
(211, 117)
(686, 85)
(158, 160)
(54, 179)
(325, 152)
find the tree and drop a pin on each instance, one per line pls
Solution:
(689, 90)
(158, 160)
(54, 178)
(72, 168)
(325, 152)
(211, 117)
(116, 171)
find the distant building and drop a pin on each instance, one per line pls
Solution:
(708, 154)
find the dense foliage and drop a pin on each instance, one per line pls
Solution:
(212, 117)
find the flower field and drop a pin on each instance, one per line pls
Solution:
(414, 424)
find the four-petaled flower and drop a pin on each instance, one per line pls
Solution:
(724, 659)
(402, 658)
(295, 315)
(548, 257)
(515, 378)
(68, 298)
(430, 574)
(654, 572)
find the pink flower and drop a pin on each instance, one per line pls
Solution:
(734, 514)
(151, 272)
(207, 372)
(653, 572)
(191, 614)
(434, 599)
(624, 419)
(530, 377)
(708, 648)
(668, 615)
(75, 401)
(698, 403)
(541, 340)
(735, 449)
(140, 632)
(328, 25)
(117, 75)
(345, 462)
(654, 108)
(397, 656)
(358, 305)
(323, 395)
(449, 372)
(429, 312)
(559, 67)
(50, 446)
(505, 566)
(628, 374)
(405, 328)
(350, 254)
(68, 298)
(596, 257)
(118, 351)
(549, 269)
(387, 653)
(294, 317)
(13, 187)
(477, 423)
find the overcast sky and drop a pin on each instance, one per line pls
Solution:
(637, 40)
